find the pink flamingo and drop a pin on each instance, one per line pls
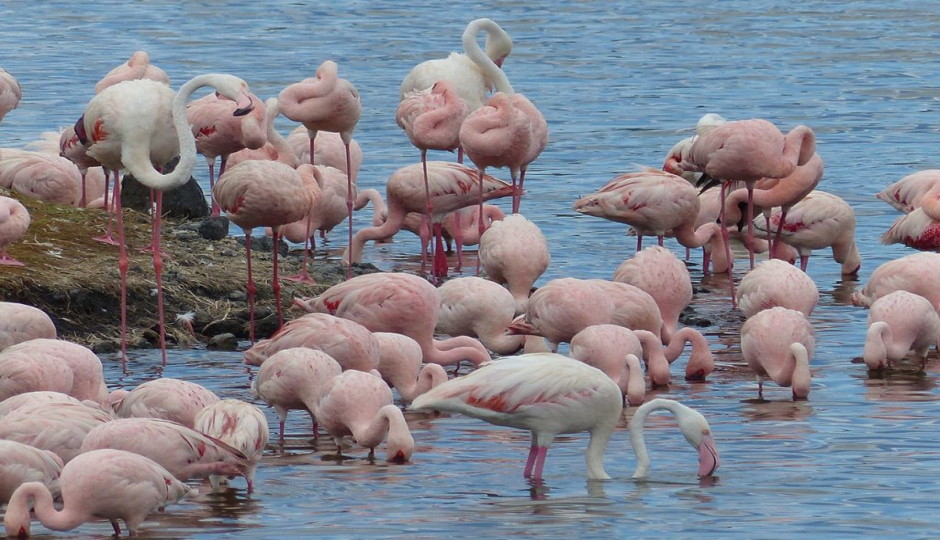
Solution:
(778, 343)
(431, 119)
(460, 226)
(776, 283)
(549, 394)
(21, 463)
(29, 370)
(276, 147)
(87, 371)
(680, 151)
(239, 424)
(19, 322)
(918, 273)
(109, 484)
(748, 151)
(603, 346)
(479, 308)
(906, 194)
(917, 230)
(14, 221)
(400, 366)
(537, 143)
(400, 303)
(565, 306)
(49, 178)
(330, 150)
(72, 149)
(818, 221)
(360, 404)
(898, 322)
(13, 403)
(332, 208)
(474, 72)
(783, 192)
(264, 193)
(514, 252)
(59, 427)
(346, 341)
(497, 135)
(661, 274)
(140, 125)
(183, 451)
(166, 398)
(219, 133)
(326, 103)
(291, 379)
(451, 188)
(10, 92)
(138, 66)
(312, 181)
(656, 202)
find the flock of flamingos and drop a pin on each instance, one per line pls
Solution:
(123, 454)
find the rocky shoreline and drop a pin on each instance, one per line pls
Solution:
(75, 279)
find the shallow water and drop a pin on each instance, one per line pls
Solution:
(619, 86)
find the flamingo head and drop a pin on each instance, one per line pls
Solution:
(16, 521)
(696, 430)
(498, 46)
(236, 90)
(80, 130)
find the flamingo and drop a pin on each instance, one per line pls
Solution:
(264, 193)
(312, 180)
(139, 125)
(660, 273)
(400, 303)
(775, 283)
(514, 252)
(326, 103)
(479, 308)
(166, 398)
(656, 202)
(60, 427)
(431, 119)
(13, 403)
(820, 220)
(550, 394)
(10, 92)
(21, 463)
(474, 72)
(87, 371)
(360, 404)
(241, 425)
(906, 194)
(292, 379)
(276, 147)
(778, 343)
(898, 322)
(183, 451)
(29, 371)
(219, 133)
(20, 322)
(917, 230)
(538, 140)
(346, 341)
(72, 149)
(604, 346)
(138, 66)
(783, 192)
(14, 221)
(109, 484)
(49, 178)
(400, 366)
(748, 151)
(918, 273)
(451, 189)
(330, 151)
(460, 226)
(680, 150)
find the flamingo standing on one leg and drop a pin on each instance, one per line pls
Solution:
(264, 193)
(778, 343)
(537, 142)
(432, 119)
(140, 125)
(138, 66)
(898, 322)
(14, 221)
(326, 103)
(660, 273)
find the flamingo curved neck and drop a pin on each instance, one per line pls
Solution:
(453, 350)
(799, 145)
(680, 338)
(50, 518)
(656, 363)
(594, 456)
(285, 154)
(876, 352)
(637, 438)
(491, 72)
(801, 374)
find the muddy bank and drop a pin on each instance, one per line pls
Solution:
(76, 280)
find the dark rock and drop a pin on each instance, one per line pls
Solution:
(237, 296)
(187, 201)
(265, 244)
(223, 342)
(214, 227)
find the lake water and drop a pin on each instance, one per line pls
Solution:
(619, 84)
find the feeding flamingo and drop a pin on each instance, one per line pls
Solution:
(918, 273)
(605, 347)
(898, 322)
(10, 92)
(166, 398)
(87, 371)
(660, 273)
(29, 371)
(21, 463)
(514, 252)
(239, 424)
(479, 308)
(776, 283)
(778, 343)
(400, 366)
(60, 427)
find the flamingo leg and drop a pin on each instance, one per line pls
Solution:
(533, 451)
(108, 238)
(660, 239)
(349, 199)
(303, 276)
(7, 260)
(251, 293)
(480, 170)
(440, 258)
(517, 193)
(460, 155)
(84, 200)
(276, 284)
(688, 253)
(804, 262)
(216, 210)
(760, 389)
(727, 240)
(540, 461)
(458, 239)
(750, 223)
(424, 233)
(639, 241)
(770, 250)
(158, 271)
(783, 218)
(117, 528)
(122, 268)
(281, 431)
(428, 210)
(215, 207)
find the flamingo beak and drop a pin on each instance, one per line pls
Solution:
(708, 460)
(243, 105)
(499, 62)
(80, 131)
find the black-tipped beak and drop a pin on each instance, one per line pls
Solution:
(80, 131)
(245, 110)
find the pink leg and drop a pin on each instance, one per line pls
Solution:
(639, 241)
(83, 202)
(533, 451)
(440, 258)
(122, 267)
(424, 233)
(215, 210)
(158, 270)
(660, 239)
(312, 139)
(804, 262)
(688, 253)
(251, 290)
(750, 223)
(540, 461)
(276, 284)
(108, 238)
(458, 239)
(281, 430)
(727, 239)
(428, 211)
(770, 250)
(303, 276)
(349, 200)
(6, 260)
(481, 214)
(517, 194)
(117, 528)
(783, 218)
(706, 260)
